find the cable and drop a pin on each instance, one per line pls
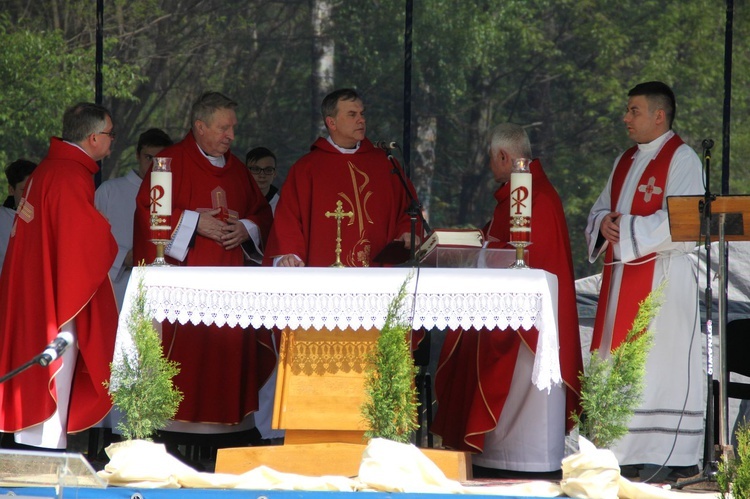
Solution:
(689, 377)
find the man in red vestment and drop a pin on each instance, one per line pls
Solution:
(343, 184)
(486, 402)
(55, 281)
(219, 218)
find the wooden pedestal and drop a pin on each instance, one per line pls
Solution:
(319, 392)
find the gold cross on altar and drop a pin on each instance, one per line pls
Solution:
(339, 214)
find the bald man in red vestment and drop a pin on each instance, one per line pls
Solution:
(219, 218)
(486, 402)
(55, 281)
(345, 168)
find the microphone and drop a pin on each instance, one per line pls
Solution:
(386, 146)
(708, 143)
(56, 348)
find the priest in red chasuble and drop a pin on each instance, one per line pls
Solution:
(486, 401)
(55, 282)
(344, 181)
(219, 218)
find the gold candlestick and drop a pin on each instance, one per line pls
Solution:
(338, 214)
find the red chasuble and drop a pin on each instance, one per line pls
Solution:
(373, 203)
(221, 369)
(476, 367)
(56, 270)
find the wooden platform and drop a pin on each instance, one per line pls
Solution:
(341, 459)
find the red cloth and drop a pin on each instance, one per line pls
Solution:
(365, 185)
(476, 367)
(221, 369)
(56, 270)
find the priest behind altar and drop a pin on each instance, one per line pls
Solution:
(55, 281)
(344, 168)
(486, 401)
(219, 218)
(629, 223)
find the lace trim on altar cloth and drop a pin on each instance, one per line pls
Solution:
(344, 310)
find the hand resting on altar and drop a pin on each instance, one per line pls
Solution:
(288, 261)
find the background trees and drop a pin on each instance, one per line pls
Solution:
(561, 68)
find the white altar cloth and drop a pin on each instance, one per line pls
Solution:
(443, 298)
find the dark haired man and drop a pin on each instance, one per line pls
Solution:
(17, 173)
(345, 168)
(219, 218)
(57, 264)
(629, 223)
(115, 198)
(261, 162)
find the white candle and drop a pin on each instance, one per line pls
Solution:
(161, 199)
(161, 193)
(520, 201)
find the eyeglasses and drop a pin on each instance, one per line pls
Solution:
(112, 134)
(269, 170)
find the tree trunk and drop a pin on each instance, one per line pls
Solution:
(472, 195)
(424, 145)
(322, 60)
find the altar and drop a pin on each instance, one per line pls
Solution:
(330, 317)
(355, 299)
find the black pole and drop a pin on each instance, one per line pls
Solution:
(728, 42)
(710, 463)
(98, 76)
(406, 151)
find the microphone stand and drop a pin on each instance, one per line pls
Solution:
(710, 463)
(414, 210)
(36, 360)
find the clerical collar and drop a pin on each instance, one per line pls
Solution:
(218, 161)
(342, 149)
(79, 147)
(657, 143)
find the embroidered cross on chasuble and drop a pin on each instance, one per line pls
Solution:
(650, 189)
(357, 203)
(219, 200)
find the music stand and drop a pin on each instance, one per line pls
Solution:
(688, 216)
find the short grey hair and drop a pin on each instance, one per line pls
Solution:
(83, 119)
(511, 137)
(207, 104)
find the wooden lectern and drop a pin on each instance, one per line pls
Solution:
(730, 221)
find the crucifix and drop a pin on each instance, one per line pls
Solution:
(338, 214)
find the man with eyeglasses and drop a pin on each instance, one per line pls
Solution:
(261, 162)
(55, 284)
(115, 199)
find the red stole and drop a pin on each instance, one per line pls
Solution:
(637, 277)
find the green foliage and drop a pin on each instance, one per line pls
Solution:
(734, 475)
(561, 68)
(142, 387)
(611, 387)
(391, 406)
